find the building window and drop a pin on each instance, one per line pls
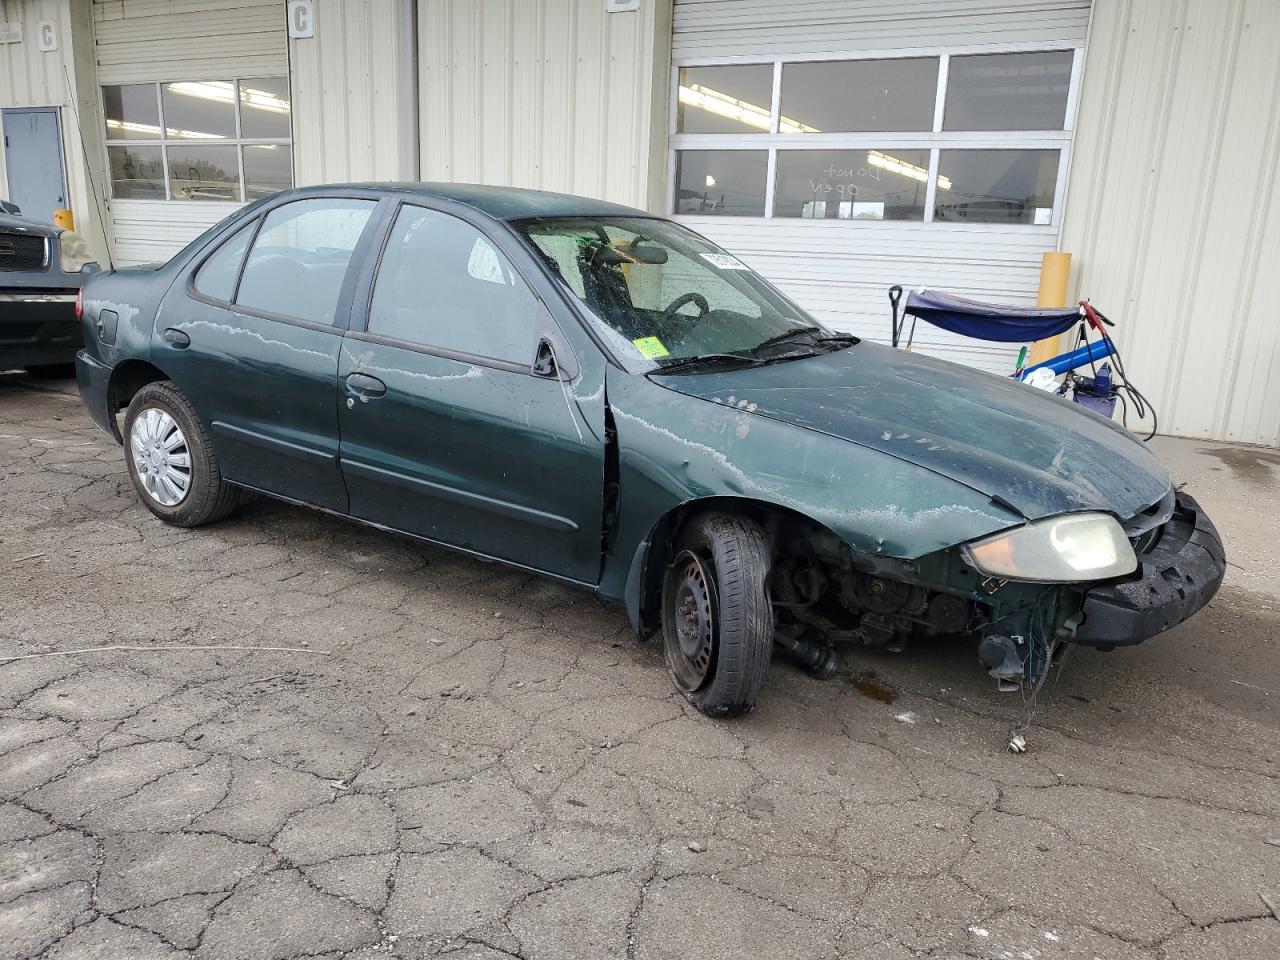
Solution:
(725, 182)
(974, 138)
(219, 140)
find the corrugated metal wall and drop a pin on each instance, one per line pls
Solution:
(144, 40)
(552, 94)
(32, 78)
(353, 94)
(188, 39)
(1173, 214)
(755, 28)
(841, 270)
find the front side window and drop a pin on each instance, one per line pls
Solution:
(443, 284)
(299, 259)
(206, 140)
(662, 294)
(978, 138)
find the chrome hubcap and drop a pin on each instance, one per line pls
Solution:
(160, 456)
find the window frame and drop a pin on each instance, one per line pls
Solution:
(359, 329)
(934, 140)
(163, 141)
(374, 231)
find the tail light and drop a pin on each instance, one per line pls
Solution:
(79, 304)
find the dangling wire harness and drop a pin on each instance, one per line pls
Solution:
(1125, 391)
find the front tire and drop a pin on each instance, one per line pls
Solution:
(717, 620)
(171, 461)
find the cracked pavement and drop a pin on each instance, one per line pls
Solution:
(471, 761)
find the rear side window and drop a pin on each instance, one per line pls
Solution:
(216, 278)
(443, 284)
(300, 257)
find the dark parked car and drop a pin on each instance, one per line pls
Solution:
(41, 271)
(596, 394)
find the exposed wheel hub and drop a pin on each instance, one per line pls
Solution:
(691, 620)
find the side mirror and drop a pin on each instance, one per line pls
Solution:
(544, 360)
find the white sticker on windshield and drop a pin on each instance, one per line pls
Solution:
(724, 261)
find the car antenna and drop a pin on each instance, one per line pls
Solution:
(88, 167)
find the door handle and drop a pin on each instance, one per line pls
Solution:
(365, 387)
(176, 337)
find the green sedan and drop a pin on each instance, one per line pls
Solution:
(602, 396)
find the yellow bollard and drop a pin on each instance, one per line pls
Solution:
(64, 218)
(1055, 269)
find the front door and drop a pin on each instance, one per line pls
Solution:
(447, 431)
(33, 162)
(256, 347)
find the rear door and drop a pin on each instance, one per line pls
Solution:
(254, 340)
(447, 430)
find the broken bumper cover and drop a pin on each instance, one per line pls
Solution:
(94, 380)
(1177, 577)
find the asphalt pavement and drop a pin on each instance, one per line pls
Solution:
(455, 758)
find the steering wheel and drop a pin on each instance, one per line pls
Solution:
(680, 301)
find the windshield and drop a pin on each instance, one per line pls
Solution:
(665, 295)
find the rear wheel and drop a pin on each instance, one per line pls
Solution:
(717, 622)
(171, 460)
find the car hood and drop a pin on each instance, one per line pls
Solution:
(1024, 448)
(12, 223)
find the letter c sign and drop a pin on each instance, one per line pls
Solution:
(302, 19)
(46, 36)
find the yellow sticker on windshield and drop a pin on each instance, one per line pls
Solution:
(651, 347)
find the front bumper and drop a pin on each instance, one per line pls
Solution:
(1177, 577)
(38, 327)
(94, 380)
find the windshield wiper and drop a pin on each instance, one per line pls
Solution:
(708, 360)
(786, 335)
(811, 331)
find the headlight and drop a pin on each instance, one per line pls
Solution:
(73, 251)
(1066, 549)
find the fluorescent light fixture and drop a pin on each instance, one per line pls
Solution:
(711, 181)
(151, 130)
(224, 91)
(723, 105)
(886, 162)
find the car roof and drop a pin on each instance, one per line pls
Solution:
(501, 203)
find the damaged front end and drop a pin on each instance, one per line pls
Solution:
(825, 594)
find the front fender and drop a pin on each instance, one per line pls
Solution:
(676, 449)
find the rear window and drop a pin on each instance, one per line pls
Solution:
(216, 278)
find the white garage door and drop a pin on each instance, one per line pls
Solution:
(842, 148)
(195, 98)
